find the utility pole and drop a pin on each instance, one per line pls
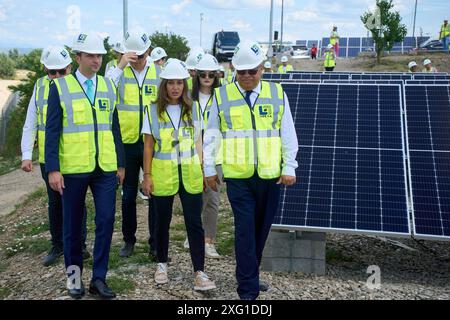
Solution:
(270, 51)
(282, 23)
(201, 27)
(125, 17)
(414, 24)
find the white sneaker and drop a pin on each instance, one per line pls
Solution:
(161, 274)
(211, 252)
(141, 195)
(202, 282)
(186, 244)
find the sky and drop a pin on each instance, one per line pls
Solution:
(36, 24)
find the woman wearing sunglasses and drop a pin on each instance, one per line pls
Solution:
(172, 164)
(205, 81)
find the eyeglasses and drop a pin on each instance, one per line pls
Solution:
(141, 56)
(62, 72)
(251, 72)
(211, 75)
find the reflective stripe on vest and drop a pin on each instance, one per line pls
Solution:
(86, 126)
(329, 60)
(251, 137)
(132, 100)
(42, 91)
(170, 152)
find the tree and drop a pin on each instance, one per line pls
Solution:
(385, 26)
(175, 45)
(7, 66)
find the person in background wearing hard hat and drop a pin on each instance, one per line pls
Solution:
(253, 121)
(231, 74)
(334, 40)
(268, 67)
(159, 57)
(428, 66)
(330, 58)
(204, 84)
(83, 148)
(412, 67)
(285, 67)
(119, 51)
(444, 36)
(57, 64)
(172, 165)
(137, 81)
(193, 58)
(221, 75)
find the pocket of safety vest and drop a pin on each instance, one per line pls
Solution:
(237, 118)
(79, 113)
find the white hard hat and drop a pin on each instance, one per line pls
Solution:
(91, 43)
(412, 64)
(137, 41)
(195, 55)
(45, 53)
(57, 58)
(247, 55)
(221, 68)
(268, 65)
(284, 59)
(207, 63)
(158, 53)
(174, 69)
(118, 47)
(330, 46)
(426, 61)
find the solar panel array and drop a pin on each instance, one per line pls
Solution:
(351, 160)
(361, 163)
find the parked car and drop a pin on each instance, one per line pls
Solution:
(431, 45)
(300, 52)
(224, 43)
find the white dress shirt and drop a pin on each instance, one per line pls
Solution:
(174, 111)
(30, 128)
(82, 80)
(116, 73)
(288, 134)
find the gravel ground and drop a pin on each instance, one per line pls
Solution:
(414, 273)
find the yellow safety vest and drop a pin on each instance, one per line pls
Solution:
(251, 137)
(132, 101)
(170, 152)
(329, 60)
(190, 83)
(334, 38)
(42, 91)
(432, 70)
(445, 31)
(85, 124)
(288, 68)
(230, 76)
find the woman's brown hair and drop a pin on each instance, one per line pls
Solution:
(185, 101)
(195, 94)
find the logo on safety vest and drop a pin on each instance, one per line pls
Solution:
(149, 89)
(82, 38)
(103, 104)
(265, 111)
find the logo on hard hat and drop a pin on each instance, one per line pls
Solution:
(82, 38)
(182, 64)
(199, 56)
(159, 52)
(127, 35)
(265, 111)
(103, 104)
(255, 49)
(64, 54)
(144, 38)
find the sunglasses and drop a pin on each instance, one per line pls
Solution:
(141, 56)
(62, 72)
(204, 75)
(251, 72)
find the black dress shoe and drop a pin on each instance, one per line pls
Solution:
(263, 286)
(127, 250)
(52, 256)
(86, 254)
(77, 293)
(100, 288)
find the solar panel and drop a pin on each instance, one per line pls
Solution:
(399, 82)
(354, 42)
(276, 76)
(343, 42)
(353, 52)
(428, 118)
(431, 76)
(351, 160)
(427, 81)
(381, 76)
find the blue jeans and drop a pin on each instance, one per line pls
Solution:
(103, 186)
(254, 202)
(55, 214)
(445, 42)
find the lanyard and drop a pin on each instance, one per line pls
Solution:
(176, 129)
(206, 106)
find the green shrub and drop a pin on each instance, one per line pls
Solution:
(7, 67)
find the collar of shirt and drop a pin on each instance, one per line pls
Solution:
(254, 94)
(82, 79)
(140, 74)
